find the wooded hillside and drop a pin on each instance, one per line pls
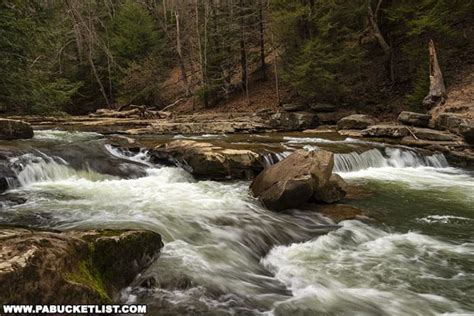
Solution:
(77, 56)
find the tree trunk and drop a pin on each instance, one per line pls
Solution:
(243, 52)
(437, 93)
(184, 77)
(375, 28)
(262, 41)
(275, 57)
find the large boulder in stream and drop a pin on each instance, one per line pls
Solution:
(207, 161)
(334, 190)
(301, 177)
(13, 129)
(75, 267)
(355, 121)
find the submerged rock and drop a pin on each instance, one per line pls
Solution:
(205, 160)
(11, 199)
(13, 129)
(297, 179)
(355, 121)
(338, 212)
(386, 130)
(415, 119)
(76, 267)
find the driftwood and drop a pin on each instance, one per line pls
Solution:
(437, 93)
(412, 133)
(172, 104)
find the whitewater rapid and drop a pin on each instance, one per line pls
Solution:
(226, 254)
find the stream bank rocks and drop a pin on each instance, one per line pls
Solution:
(414, 119)
(294, 121)
(75, 267)
(467, 131)
(14, 129)
(386, 130)
(355, 122)
(304, 176)
(207, 161)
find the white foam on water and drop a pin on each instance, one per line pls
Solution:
(200, 137)
(66, 136)
(316, 140)
(358, 268)
(364, 269)
(142, 156)
(388, 157)
(32, 169)
(442, 219)
(273, 158)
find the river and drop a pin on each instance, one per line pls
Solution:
(225, 254)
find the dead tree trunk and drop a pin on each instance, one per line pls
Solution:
(437, 93)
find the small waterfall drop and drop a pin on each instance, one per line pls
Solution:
(272, 158)
(30, 168)
(141, 156)
(389, 157)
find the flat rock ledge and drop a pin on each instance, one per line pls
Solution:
(74, 267)
(386, 130)
(207, 161)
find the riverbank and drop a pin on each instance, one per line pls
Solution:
(437, 135)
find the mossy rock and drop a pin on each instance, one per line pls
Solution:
(75, 267)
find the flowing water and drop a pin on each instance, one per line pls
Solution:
(225, 254)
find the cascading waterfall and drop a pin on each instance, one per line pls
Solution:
(31, 168)
(391, 157)
(272, 158)
(373, 158)
(141, 156)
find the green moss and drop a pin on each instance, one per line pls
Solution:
(85, 274)
(110, 232)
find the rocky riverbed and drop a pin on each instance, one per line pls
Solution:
(222, 250)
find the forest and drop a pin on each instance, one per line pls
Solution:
(237, 157)
(75, 56)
